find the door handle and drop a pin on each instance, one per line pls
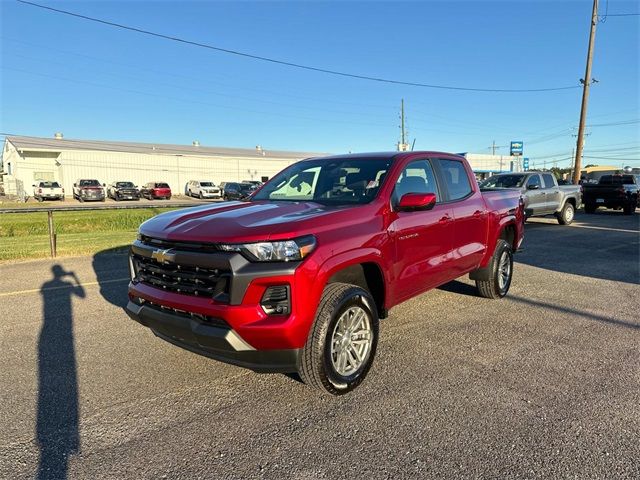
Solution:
(445, 219)
(477, 213)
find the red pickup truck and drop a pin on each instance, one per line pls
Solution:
(296, 278)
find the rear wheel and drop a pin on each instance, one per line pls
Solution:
(566, 215)
(500, 273)
(342, 342)
(629, 209)
(589, 208)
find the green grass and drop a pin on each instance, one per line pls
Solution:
(25, 235)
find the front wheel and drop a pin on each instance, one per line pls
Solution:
(500, 273)
(342, 342)
(566, 215)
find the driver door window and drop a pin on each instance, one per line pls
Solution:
(417, 177)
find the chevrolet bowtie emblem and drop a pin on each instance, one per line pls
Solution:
(162, 256)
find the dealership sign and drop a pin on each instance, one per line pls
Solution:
(516, 148)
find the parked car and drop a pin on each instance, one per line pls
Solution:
(48, 191)
(88, 190)
(256, 183)
(613, 191)
(123, 191)
(203, 189)
(296, 278)
(156, 190)
(541, 192)
(236, 190)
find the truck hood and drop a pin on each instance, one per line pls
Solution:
(240, 222)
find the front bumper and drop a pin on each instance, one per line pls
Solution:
(213, 340)
(271, 340)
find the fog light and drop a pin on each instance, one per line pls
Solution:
(276, 301)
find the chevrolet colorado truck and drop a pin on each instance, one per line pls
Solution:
(296, 278)
(613, 191)
(542, 194)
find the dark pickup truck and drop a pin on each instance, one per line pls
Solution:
(613, 191)
(296, 278)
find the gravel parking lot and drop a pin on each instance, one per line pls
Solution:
(542, 384)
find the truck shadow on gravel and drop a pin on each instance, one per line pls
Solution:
(112, 273)
(57, 426)
(604, 245)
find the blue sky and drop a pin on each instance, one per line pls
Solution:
(91, 81)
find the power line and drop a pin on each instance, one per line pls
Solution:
(290, 64)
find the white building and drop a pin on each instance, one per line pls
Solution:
(27, 159)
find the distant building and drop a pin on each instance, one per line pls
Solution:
(27, 159)
(485, 165)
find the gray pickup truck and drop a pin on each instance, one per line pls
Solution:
(541, 192)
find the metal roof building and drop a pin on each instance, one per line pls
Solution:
(27, 159)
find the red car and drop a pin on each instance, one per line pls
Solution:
(156, 190)
(296, 278)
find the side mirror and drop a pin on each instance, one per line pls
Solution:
(533, 187)
(75, 184)
(33, 185)
(104, 184)
(417, 201)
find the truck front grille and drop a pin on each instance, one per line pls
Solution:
(184, 279)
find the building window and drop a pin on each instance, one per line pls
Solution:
(9, 168)
(46, 176)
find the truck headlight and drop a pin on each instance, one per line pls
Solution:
(280, 251)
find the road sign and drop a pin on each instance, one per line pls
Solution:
(525, 163)
(516, 148)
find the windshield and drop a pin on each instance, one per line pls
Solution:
(348, 181)
(124, 185)
(245, 187)
(207, 184)
(89, 183)
(503, 181)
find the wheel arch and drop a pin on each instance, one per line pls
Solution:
(367, 275)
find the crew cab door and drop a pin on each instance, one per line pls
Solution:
(470, 213)
(552, 193)
(422, 238)
(534, 195)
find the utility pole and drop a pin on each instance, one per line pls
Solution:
(403, 146)
(493, 148)
(577, 165)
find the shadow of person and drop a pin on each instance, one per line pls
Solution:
(58, 412)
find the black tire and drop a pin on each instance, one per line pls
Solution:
(629, 209)
(494, 287)
(225, 198)
(589, 208)
(80, 199)
(39, 199)
(315, 364)
(566, 215)
(200, 196)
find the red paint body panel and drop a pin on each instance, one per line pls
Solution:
(415, 251)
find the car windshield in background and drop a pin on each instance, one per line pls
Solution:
(348, 181)
(206, 184)
(124, 185)
(162, 185)
(503, 181)
(50, 185)
(246, 187)
(89, 183)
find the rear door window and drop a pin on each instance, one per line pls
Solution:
(548, 180)
(455, 178)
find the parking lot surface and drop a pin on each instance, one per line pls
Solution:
(542, 384)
